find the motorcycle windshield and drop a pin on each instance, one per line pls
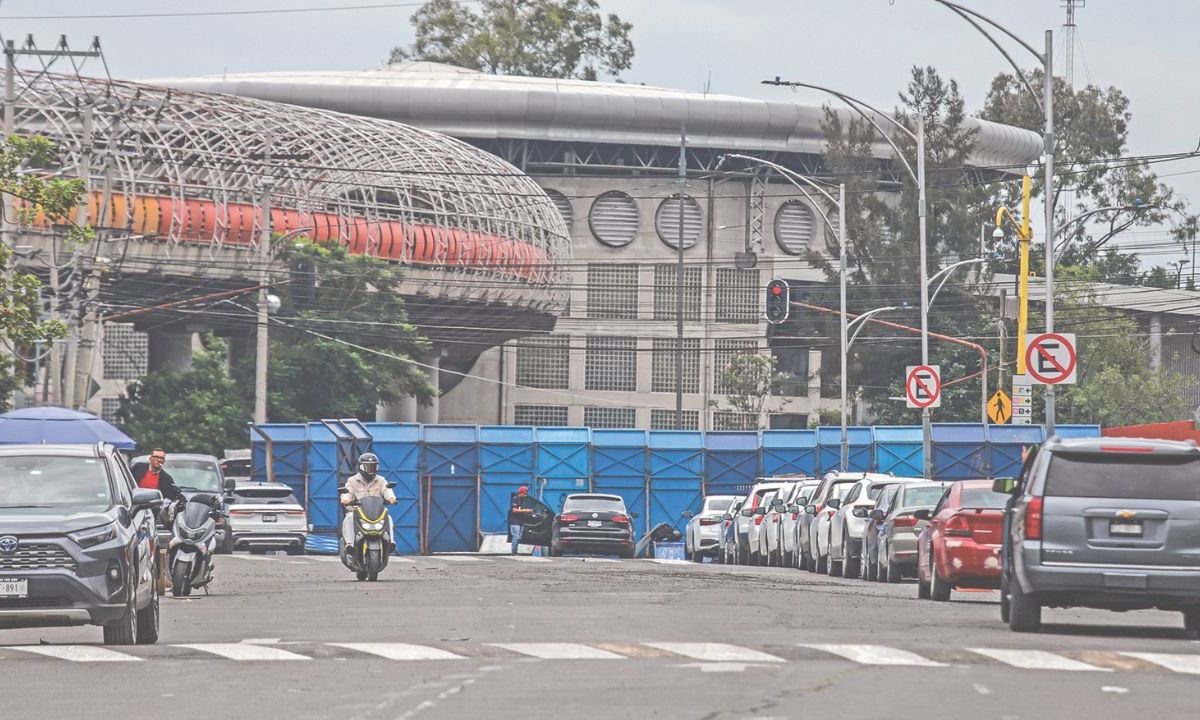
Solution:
(195, 514)
(372, 507)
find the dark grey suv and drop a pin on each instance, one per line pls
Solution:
(77, 542)
(1110, 523)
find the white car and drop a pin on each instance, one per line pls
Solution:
(846, 527)
(821, 508)
(728, 532)
(786, 542)
(754, 506)
(266, 516)
(768, 537)
(702, 536)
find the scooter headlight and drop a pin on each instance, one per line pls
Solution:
(374, 527)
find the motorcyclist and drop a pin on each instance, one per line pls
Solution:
(367, 482)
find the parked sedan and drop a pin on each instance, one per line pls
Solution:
(756, 532)
(820, 509)
(787, 542)
(727, 553)
(960, 547)
(702, 536)
(757, 498)
(266, 516)
(890, 541)
(847, 524)
(593, 523)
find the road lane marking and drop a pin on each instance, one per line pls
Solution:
(559, 651)
(400, 651)
(875, 655)
(715, 652)
(77, 653)
(1036, 660)
(459, 558)
(1189, 664)
(669, 561)
(238, 651)
(526, 558)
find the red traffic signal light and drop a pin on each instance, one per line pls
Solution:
(779, 301)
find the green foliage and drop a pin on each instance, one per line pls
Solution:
(345, 352)
(199, 409)
(21, 322)
(826, 417)
(748, 379)
(539, 38)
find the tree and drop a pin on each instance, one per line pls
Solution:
(21, 322)
(200, 409)
(539, 38)
(748, 379)
(344, 346)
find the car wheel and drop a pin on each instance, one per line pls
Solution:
(226, 546)
(125, 630)
(939, 589)
(1024, 612)
(1191, 622)
(555, 550)
(832, 567)
(626, 554)
(820, 564)
(147, 618)
(870, 571)
(849, 568)
(295, 550)
(892, 573)
(1004, 607)
(922, 586)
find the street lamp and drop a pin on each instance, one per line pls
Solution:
(945, 273)
(918, 178)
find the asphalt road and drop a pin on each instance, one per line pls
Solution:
(496, 637)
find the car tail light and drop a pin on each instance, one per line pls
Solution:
(709, 521)
(1125, 449)
(958, 525)
(568, 518)
(296, 513)
(758, 519)
(795, 516)
(904, 521)
(621, 519)
(1033, 519)
(728, 523)
(241, 513)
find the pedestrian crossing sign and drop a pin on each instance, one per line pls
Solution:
(999, 408)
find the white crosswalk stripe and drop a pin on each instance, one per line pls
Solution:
(1189, 664)
(77, 653)
(526, 558)
(460, 558)
(400, 651)
(715, 652)
(242, 651)
(667, 561)
(1036, 660)
(875, 655)
(559, 651)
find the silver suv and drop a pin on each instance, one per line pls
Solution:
(1110, 523)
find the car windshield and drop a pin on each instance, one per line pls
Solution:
(594, 505)
(982, 498)
(841, 490)
(48, 481)
(717, 504)
(875, 491)
(922, 497)
(264, 496)
(198, 475)
(1123, 476)
(236, 468)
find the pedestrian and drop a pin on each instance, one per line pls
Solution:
(151, 476)
(519, 511)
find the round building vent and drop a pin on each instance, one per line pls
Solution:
(666, 221)
(794, 227)
(614, 218)
(563, 205)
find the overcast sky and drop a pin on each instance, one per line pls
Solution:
(1146, 48)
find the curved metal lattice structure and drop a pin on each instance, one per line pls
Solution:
(186, 167)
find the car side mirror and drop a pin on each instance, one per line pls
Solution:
(687, 513)
(793, 508)
(145, 499)
(634, 515)
(230, 485)
(727, 516)
(877, 514)
(1004, 485)
(922, 514)
(760, 510)
(810, 509)
(833, 504)
(747, 512)
(859, 512)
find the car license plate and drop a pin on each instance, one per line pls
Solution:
(10, 588)
(594, 523)
(1131, 529)
(268, 517)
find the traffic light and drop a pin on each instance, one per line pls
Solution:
(779, 301)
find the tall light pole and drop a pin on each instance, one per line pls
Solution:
(1047, 59)
(264, 257)
(918, 178)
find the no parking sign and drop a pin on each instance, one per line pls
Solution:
(923, 386)
(1051, 359)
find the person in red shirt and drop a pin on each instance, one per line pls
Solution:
(152, 476)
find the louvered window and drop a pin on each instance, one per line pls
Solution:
(563, 204)
(666, 221)
(794, 223)
(614, 219)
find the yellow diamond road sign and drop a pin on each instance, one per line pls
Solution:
(999, 408)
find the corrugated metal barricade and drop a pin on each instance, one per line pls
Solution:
(787, 452)
(564, 463)
(731, 462)
(900, 450)
(398, 446)
(676, 465)
(506, 462)
(1005, 446)
(329, 449)
(1077, 431)
(450, 492)
(859, 441)
(619, 468)
(279, 453)
(959, 451)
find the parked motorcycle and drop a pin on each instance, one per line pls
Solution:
(193, 541)
(373, 541)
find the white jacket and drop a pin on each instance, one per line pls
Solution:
(357, 488)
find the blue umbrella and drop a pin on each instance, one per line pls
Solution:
(55, 425)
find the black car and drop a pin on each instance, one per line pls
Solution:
(77, 542)
(593, 523)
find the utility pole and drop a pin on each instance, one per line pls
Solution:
(844, 458)
(679, 282)
(78, 285)
(1048, 140)
(264, 258)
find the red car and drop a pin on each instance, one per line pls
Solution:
(960, 546)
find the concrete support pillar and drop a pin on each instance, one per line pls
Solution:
(405, 410)
(428, 414)
(170, 347)
(1156, 341)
